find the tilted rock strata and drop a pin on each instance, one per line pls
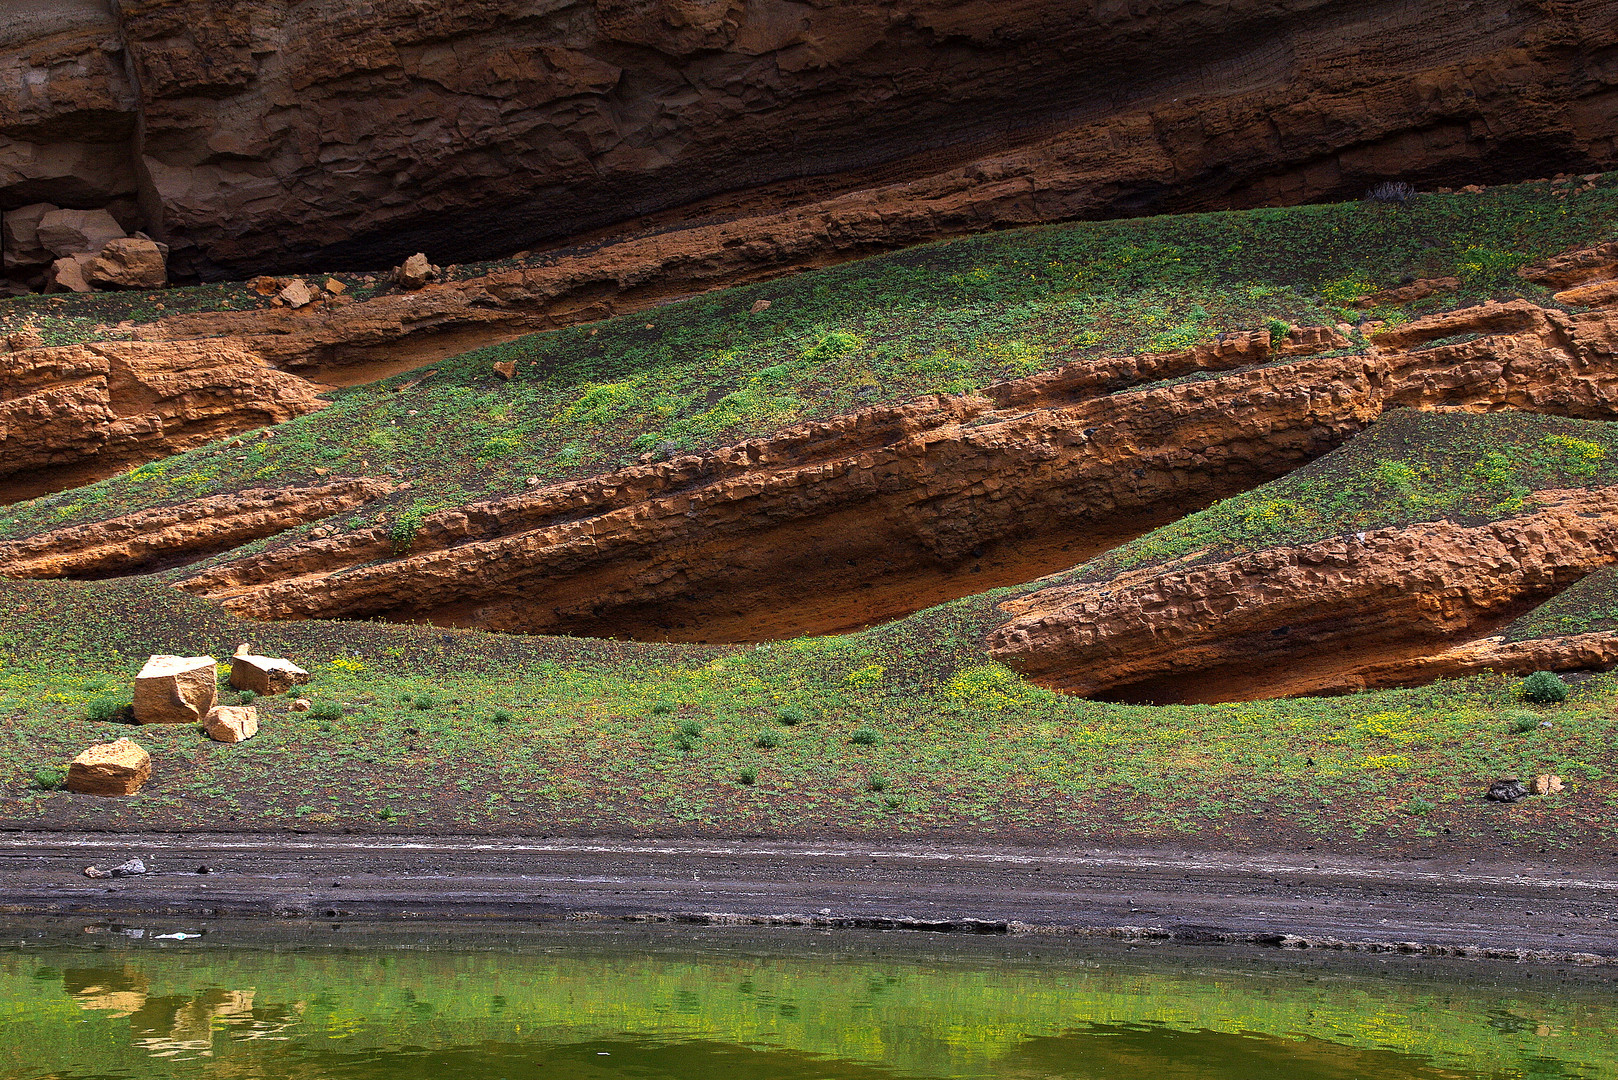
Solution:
(1418, 584)
(121, 403)
(185, 532)
(834, 504)
(266, 133)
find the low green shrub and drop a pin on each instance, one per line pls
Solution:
(104, 710)
(877, 783)
(246, 697)
(1521, 722)
(51, 778)
(692, 729)
(326, 710)
(426, 702)
(662, 708)
(747, 777)
(767, 740)
(501, 717)
(790, 715)
(1544, 688)
(865, 737)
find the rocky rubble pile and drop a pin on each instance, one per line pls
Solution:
(55, 250)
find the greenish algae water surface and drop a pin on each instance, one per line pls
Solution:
(793, 1006)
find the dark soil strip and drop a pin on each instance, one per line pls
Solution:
(1431, 906)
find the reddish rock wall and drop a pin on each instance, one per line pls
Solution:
(95, 409)
(267, 134)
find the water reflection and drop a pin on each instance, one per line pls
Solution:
(595, 1012)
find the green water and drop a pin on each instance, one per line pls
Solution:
(791, 1006)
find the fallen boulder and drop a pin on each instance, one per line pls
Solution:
(129, 263)
(74, 232)
(264, 674)
(131, 868)
(415, 272)
(231, 724)
(176, 689)
(296, 294)
(21, 237)
(67, 275)
(302, 704)
(1545, 785)
(506, 369)
(1506, 791)
(116, 768)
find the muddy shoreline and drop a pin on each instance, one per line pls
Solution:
(1544, 911)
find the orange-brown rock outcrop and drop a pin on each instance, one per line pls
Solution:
(104, 406)
(704, 546)
(173, 535)
(1343, 613)
(266, 133)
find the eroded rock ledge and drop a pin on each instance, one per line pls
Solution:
(1378, 608)
(153, 539)
(102, 407)
(890, 494)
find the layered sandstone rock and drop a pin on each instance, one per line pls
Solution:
(271, 134)
(114, 404)
(1372, 609)
(264, 674)
(889, 494)
(175, 689)
(115, 768)
(170, 535)
(231, 724)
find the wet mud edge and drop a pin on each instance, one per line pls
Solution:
(1548, 912)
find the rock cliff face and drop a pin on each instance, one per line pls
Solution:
(272, 134)
(91, 410)
(705, 547)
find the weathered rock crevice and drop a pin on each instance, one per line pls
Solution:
(1379, 608)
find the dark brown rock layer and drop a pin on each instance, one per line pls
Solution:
(267, 134)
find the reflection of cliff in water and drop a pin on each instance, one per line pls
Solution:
(178, 1026)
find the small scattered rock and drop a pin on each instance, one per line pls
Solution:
(302, 704)
(759, 305)
(1506, 791)
(129, 263)
(1545, 785)
(132, 868)
(176, 689)
(506, 369)
(96, 873)
(264, 674)
(296, 293)
(1471, 189)
(415, 272)
(268, 286)
(335, 287)
(231, 724)
(77, 232)
(111, 769)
